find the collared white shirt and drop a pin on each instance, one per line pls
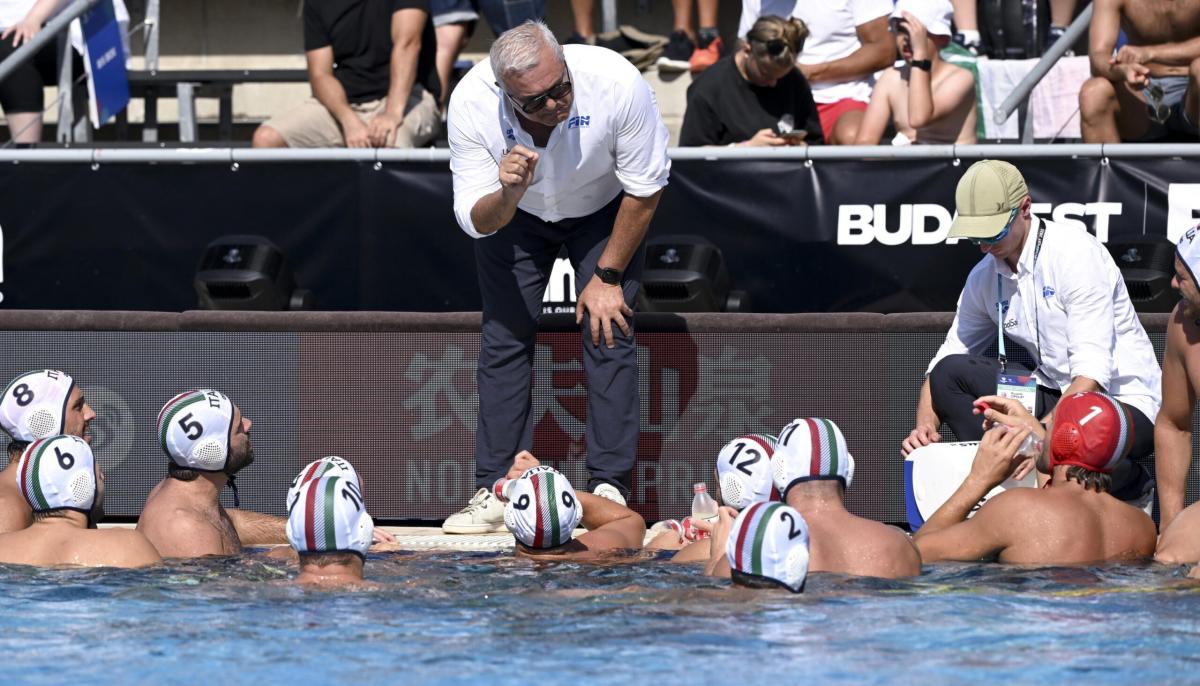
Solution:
(1073, 302)
(613, 140)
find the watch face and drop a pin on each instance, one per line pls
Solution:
(608, 275)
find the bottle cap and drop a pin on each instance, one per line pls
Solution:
(700, 488)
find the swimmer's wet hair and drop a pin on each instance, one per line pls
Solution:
(1091, 480)
(749, 580)
(59, 513)
(336, 557)
(15, 448)
(174, 471)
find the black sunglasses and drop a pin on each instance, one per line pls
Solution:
(556, 92)
(774, 47)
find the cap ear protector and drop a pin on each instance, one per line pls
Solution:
(543, 510)
(34, 404)
(57, 473)
(194, 429)
(326, 466)
(329, 516)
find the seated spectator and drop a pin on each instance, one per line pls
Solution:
(454, 23)
(207, 441)
(928, 100)
(848, 42)
(1073, 520)
(373, 70)
(755, 97)
(542, 511)
(812, 468)
(36, 404)
(766, 546)
(329, 528)
(21, 94)
(1151, 87)
(64, 486)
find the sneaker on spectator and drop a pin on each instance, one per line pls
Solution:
(678, 54)
(972, 46)
(1052, 37)
(609, 492)
(704, 57)
(483, 515)
(575, 38)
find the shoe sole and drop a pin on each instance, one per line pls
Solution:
(668, 64)
(474, 528)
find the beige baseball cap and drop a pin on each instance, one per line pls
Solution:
(986, 196)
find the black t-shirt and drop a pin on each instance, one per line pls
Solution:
(360, 33)
(724, 108)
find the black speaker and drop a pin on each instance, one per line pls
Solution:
(247, 273)
(1147, 265)
(687, 273)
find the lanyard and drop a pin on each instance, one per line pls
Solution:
(1037, 333)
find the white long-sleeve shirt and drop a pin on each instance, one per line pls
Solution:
(614, 140)
(1086, 324)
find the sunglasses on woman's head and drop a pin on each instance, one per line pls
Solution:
(774, 47)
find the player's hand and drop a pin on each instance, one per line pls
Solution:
(1135, 75)
(356, 133)
(1007, 411)
(921, 436)
(516, 170)
(1134, 54)
(916, 35)
(382, 130)
(997, 459)
(605, 304)
(21, 32)
(523, 461)
(764, 138)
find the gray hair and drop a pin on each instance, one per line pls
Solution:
(517, 50)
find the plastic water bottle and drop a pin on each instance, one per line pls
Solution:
(1030, 447)
(703, 507)
(502, 488)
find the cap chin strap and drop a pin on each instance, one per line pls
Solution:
(233, 487)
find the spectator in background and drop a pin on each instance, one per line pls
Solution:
(756, 96)
(21, 92)
(966, 19)
(848, 42)
(454, 22)
(372, 66)
(688, 50)
(1151, 87)
(928, 99)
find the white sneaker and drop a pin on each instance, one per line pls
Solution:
(483, 515)
(610, 492)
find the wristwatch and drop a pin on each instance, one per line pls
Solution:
(927, 65)
(609, 275)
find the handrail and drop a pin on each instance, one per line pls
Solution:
(49, 31)
(238, 156)
(1043, 66)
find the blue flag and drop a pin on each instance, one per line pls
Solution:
(108, 84)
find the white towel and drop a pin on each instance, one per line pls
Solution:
(1054, 103)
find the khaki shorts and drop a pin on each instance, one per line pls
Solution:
(310, 125)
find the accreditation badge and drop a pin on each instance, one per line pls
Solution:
(1023, 389)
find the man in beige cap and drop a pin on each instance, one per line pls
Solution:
(1055, 291)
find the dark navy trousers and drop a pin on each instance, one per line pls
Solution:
(514, 266)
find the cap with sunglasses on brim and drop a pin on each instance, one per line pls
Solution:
(986, 197)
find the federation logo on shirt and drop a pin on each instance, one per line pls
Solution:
(508, 133)
(1048, 291)
(579, 121)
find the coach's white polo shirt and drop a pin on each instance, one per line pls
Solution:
(1085, 322)
(613, 140)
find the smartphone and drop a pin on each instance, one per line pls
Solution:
(796, 136)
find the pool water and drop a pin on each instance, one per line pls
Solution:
(487, 618)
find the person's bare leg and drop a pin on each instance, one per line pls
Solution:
(682, 11)
(1191, 99)
(965, 17)
(707, 11)
(451, 39)
(1109, 113)
(845, 131)
(1061, 12)
(25, 127)
(267, 137)
(584, 20)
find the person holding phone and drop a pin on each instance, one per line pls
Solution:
(756, 96)
(927, 99)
